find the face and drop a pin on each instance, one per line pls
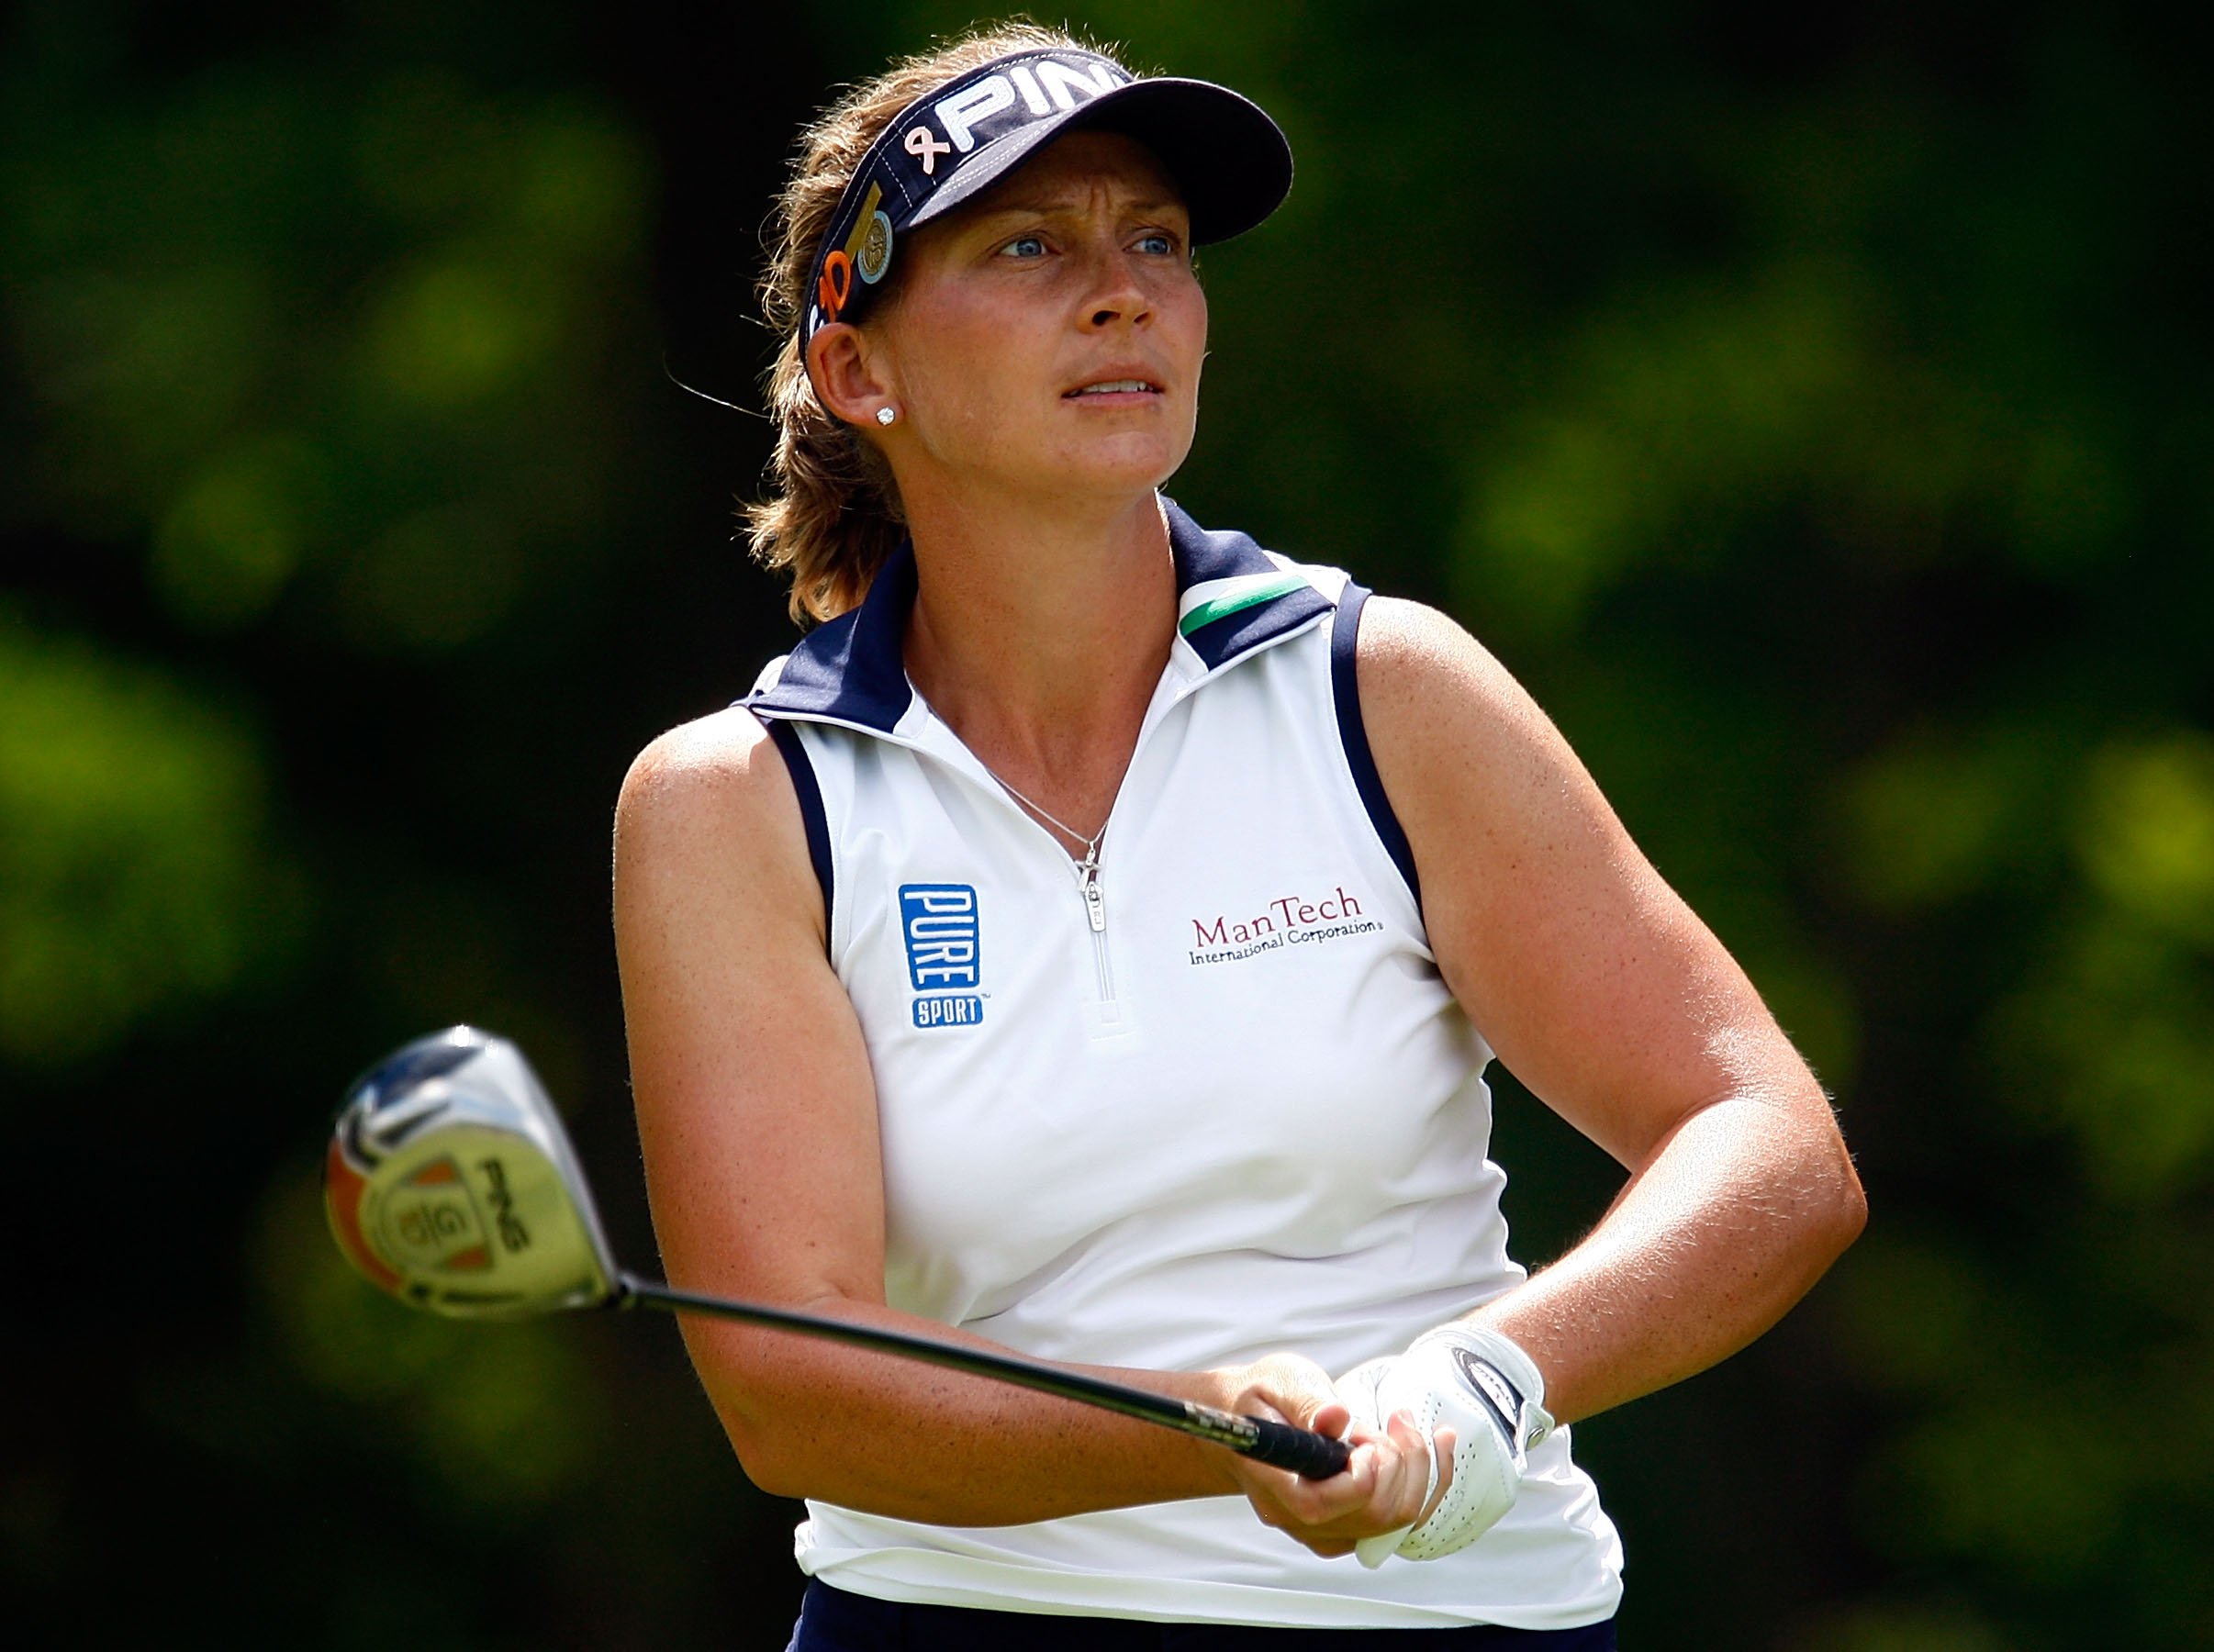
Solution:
(1046, 339)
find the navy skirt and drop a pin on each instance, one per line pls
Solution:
(831, 1620)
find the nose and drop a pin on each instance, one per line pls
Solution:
(1116, 297)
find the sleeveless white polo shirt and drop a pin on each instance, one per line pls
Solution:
(1217, 1104)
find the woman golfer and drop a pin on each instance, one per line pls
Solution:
(1092, 936)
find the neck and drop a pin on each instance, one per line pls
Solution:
(1040, 636)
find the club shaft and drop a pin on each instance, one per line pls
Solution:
(1303, 1452)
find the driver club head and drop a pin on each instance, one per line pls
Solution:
(451, 1184)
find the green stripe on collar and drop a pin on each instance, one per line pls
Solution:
(1220, 598)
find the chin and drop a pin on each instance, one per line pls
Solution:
(1101, 473)
(1134, 458)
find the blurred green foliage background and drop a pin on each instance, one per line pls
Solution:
(1810, 404)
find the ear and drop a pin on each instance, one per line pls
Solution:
(847, 374)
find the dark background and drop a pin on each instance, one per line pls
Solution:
(1810, 404)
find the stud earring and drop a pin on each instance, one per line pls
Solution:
(886, 415)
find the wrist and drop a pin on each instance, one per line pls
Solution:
(1501, 1373)
(1486, 1387)
(1225, 1389)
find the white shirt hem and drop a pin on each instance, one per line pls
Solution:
(933, 1577)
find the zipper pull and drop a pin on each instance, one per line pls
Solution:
(1095, 905)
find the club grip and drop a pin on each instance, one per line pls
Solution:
(1306, 1454)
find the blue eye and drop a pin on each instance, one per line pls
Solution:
(1025, 246)
(1160, 245)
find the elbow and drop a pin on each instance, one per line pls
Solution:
(1844, 1214)
(772, 1459)
(776, 1475)
(779, 1400)
(766, 1425)
(1851, 1199)
(1852, 1212)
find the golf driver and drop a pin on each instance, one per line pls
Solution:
(451, 1184)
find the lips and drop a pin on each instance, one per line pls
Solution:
(1115, 386)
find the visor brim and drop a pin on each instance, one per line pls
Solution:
(1231, 162)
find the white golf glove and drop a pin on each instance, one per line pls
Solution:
(1485, 1389)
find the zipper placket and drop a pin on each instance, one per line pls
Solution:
(1087, 870)
(1095, 914)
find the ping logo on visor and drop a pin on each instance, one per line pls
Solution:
(909, 173)
(944, 951)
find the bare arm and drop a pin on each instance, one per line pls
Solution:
(757, 1111)
(1621, 1011)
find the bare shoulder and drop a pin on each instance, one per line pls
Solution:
(1439, 706)
(708, 767)
(1412, 655)
(710, 805)
(721, 775)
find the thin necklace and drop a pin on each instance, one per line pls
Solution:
(1086, 868)
(1090, 840)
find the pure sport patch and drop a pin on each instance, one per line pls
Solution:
(942, 931)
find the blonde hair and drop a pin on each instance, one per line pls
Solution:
(834, 516)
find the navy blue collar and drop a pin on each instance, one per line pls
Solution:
(1232, 598)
